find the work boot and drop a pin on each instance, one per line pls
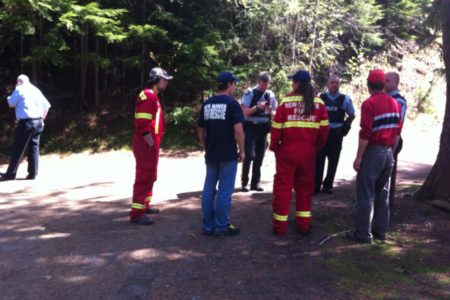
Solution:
(244, 189)
(6, 177)
(256, 188)
(352, 236)
(152, 211)
(30, 177)
(328, 191)
(380, 237)
(143, 220)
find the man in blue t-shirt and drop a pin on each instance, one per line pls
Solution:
(341, 114)
(219, 130)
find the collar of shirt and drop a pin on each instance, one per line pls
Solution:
(392, 93)
(333, 96)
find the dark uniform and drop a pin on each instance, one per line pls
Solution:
(256, 127)
(403, 106)
(337, 108)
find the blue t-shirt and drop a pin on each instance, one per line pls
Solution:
(218, 116)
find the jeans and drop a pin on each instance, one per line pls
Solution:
(27, 134)
(216, 196)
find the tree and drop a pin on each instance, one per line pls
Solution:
(437, 184)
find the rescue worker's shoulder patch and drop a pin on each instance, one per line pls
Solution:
(142, 96)
(319, 101)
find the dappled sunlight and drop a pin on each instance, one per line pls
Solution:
(56, 235)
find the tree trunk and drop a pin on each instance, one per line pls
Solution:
(96, 74)
(437, 184)
(143, 54)
(83, 65)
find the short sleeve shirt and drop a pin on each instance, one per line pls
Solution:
(218, 116)
(29, 102)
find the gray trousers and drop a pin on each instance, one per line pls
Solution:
(372, 192)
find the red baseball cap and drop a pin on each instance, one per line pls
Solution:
(376, 76)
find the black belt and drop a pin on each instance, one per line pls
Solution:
(29, 119)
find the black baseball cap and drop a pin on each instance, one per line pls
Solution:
(159, 73)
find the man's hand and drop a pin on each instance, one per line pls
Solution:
(241, 156)
(149, 140)
(261, 105)
(357, 164)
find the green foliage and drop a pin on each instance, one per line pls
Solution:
(182, 116)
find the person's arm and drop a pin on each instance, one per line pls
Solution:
(362, 145)
(323, 129)
(201, 136)
(239, 137)
(13, 99)
(276, 130)
(350, 111)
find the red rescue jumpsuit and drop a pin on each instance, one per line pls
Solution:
(148, 118)
(295, 139)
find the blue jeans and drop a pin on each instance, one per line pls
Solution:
(216, 203)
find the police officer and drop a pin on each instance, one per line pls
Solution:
(341, 114)
(259, 106)
(31, 109)
(391, 87)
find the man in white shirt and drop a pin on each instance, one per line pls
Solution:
(31, 108)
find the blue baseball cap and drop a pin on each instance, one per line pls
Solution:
(302, 76)
(227, 77)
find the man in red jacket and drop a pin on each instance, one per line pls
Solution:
(299, 130)
(148, 132)
(381, 124)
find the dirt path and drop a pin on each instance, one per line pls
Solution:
(66, 236)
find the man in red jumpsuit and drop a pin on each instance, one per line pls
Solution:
(299, 130)
(148, 132)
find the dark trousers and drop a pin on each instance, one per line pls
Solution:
(27, 135)
(332, 151)
(255, 148)
(394, 173)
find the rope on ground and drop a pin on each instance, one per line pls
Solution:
(330, 236)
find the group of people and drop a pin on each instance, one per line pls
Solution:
(305, 130)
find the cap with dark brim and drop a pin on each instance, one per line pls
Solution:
(159, 73)
(301, 75)
(227, 77)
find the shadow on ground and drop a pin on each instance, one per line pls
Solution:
(88, 250)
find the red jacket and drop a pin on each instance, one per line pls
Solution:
(381, 121)
(289, 126)
(148, 116)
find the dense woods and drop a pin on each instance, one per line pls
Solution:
(89, 54)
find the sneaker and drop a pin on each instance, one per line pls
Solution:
(380, 237)
(229, 231)
(352, 236)
(144, 220)
(152, 211)
(257, 188)
(245, 189)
